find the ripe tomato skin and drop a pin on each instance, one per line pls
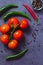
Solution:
(5, 28)
(18, 35)
(4, 39)
(13, 21)
(23, 23)
(13, 44)
(0, 28)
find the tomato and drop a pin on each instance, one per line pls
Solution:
(0, 37)
(0, 28)
(13, 21)
(4, 39)
(13, 44)
(18, 35)
(5, 28)
(23, 23)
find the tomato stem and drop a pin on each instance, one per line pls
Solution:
(10, 37)
(14, 27)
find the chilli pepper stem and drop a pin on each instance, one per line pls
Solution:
(15, 13)
(31, 12)
(17, 55)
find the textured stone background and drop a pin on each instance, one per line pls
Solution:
(34, 38)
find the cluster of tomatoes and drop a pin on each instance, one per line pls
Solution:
(17, 35)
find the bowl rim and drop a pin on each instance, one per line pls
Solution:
(39, 8)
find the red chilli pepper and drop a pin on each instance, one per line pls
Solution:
(31, 12)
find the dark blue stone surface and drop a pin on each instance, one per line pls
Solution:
(33, 36)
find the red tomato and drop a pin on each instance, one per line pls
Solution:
(13, 21)
(13, 44)
(5, 28)
(23, 24)
(0, 29)
(18, 35)
(5, 39)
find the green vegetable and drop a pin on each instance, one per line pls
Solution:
(7, 7)
(15, 13)
(17, 55)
